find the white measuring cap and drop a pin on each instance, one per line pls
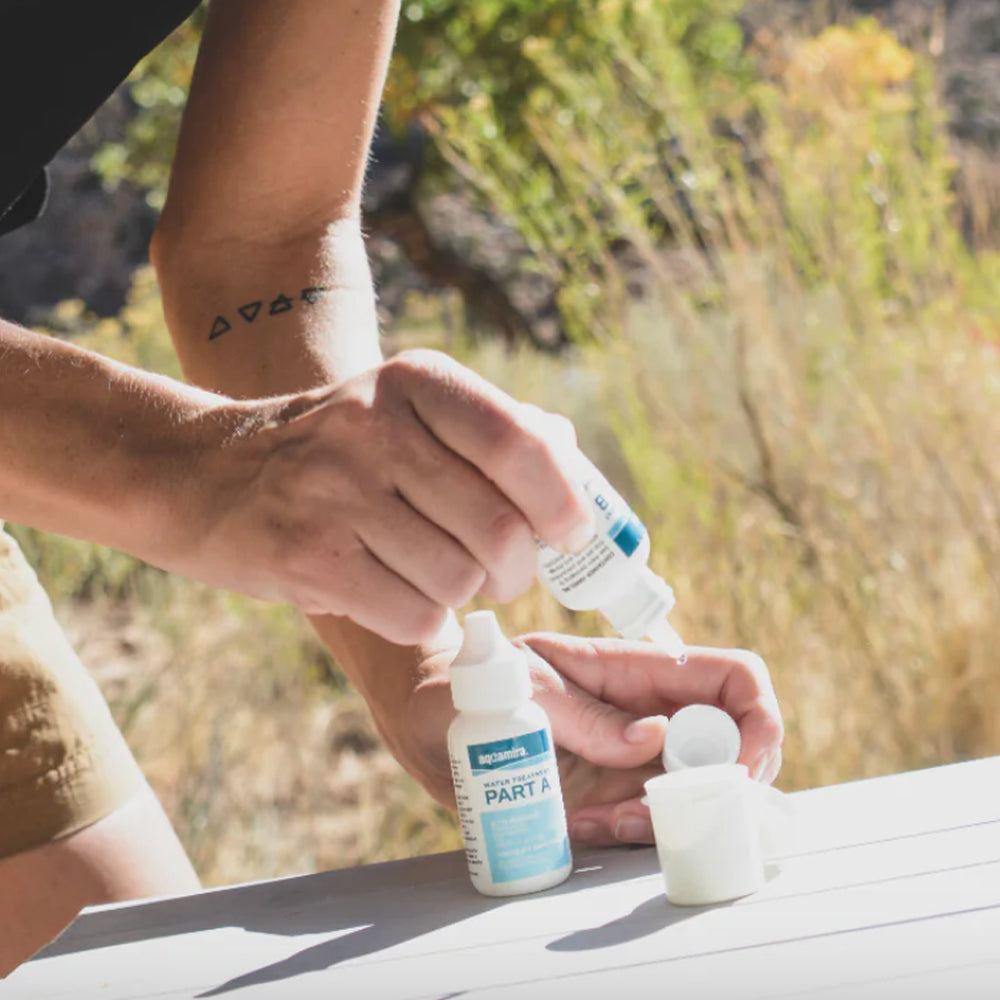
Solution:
(707, 830)
(698, 735)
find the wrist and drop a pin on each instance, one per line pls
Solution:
(194, 477)
(393, 679)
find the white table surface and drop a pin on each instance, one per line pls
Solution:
(892, 891)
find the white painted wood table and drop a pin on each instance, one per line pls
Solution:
(892, 890)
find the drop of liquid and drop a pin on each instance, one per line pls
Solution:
(663, 635)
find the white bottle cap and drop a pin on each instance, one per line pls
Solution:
(490, 674)
(707, 830)
(698, 735)
(643, 604)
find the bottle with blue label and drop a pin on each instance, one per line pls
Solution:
(610, 575)
(503, 764)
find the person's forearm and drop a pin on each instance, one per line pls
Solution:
(259, 250)
(293, 316)
(264, 204)
(387, 676)
(282, 107)
(92, 448)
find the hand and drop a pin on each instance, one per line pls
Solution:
(607, 699)
(387, 499)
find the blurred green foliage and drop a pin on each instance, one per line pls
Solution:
(804, 405)
(158, 86)
(575, 122)
(555, 114)
(605, 131)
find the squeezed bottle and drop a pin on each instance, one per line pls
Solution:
(611, 574)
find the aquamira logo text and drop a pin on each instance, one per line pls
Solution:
(501, 756)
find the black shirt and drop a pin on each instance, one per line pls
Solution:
(59, 61)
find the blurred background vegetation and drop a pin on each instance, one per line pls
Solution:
(748, 259)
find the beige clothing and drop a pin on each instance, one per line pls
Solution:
(63, 763)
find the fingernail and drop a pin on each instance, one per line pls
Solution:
(634, 830)
(643, 730)
(579, 538)
(586, 831)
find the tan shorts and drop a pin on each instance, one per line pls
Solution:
(63, 763)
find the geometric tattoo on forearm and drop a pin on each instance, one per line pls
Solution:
(249, 311)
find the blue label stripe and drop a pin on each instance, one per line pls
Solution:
(517, 751)
(619, 524)
(628, 537)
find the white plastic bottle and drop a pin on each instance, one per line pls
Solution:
(503, 764)
(610, 575)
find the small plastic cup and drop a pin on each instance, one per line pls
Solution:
(700, 735)
(707, 830)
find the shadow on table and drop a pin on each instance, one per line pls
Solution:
(647, 918)
(373, 909)
(655, 914)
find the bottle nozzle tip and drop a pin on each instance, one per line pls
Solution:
(664, 635)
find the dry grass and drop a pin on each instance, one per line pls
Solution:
(809, 431)
(830, 503)
(265, 763)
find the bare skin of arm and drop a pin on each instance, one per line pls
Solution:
(388, 498)
(264, 201)
(264, 197)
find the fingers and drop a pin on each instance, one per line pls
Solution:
(380, 600)
(505, 442)
(450, 492)
(417, 550)
(442, 480)
(611, 824)
(748, 696)
(594, 730)
(640, 679)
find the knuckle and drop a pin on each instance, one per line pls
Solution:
(509, 553)
(417, 362)
(422, 623)
(516, 448)
(568, 515)
(509, 586)
(756, 671)
(545, 679)
(463, 582)
(508, 535)
(763, 691)
(412, 447)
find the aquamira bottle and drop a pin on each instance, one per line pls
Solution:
(611, 574)
(503, 764)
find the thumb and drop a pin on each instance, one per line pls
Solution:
(594, 730)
